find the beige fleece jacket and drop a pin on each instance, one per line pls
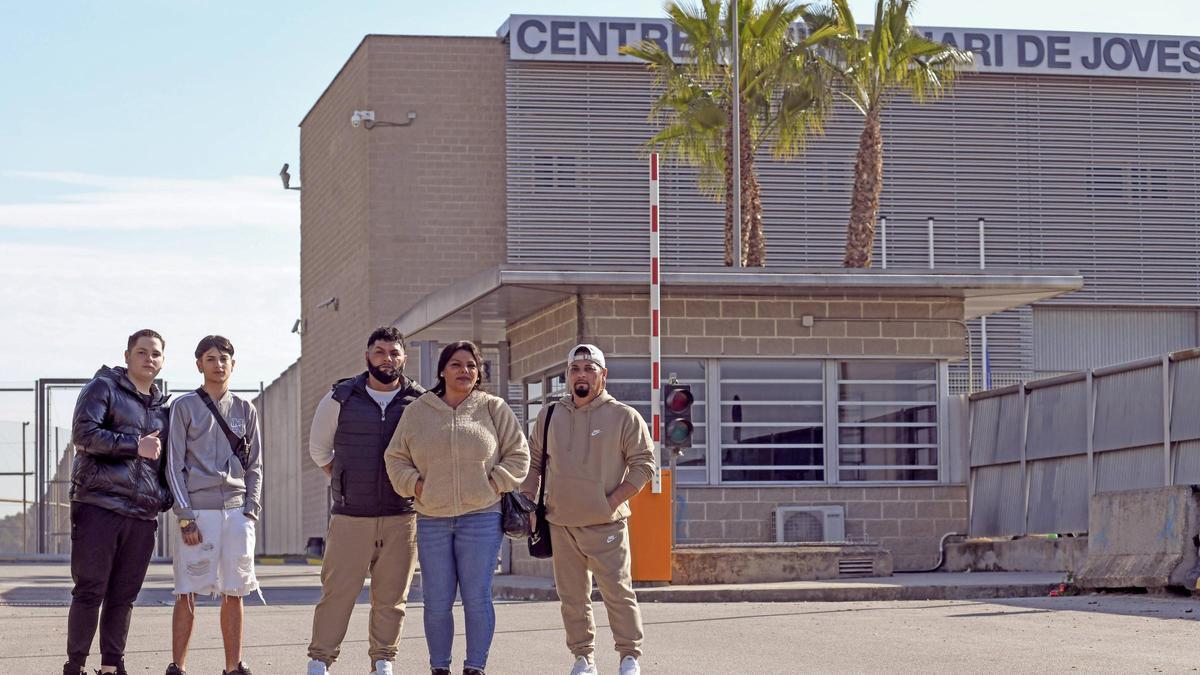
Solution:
(456, 451)
(593, 449)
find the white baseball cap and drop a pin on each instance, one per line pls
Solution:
(586, 352)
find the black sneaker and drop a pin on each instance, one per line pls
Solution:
(241, 669)
(440, 671)
(70, 668)
(472, 671)
(175, 670)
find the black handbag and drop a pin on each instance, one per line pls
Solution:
(514, 514)
(539, 540)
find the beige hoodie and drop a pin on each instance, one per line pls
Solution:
(592, 450)
(455, 451)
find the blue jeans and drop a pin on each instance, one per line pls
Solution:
(458, 554)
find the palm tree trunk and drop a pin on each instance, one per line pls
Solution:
(754, 245)
(729, 190)
(864, 200)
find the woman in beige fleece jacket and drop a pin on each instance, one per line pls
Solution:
(456, 449)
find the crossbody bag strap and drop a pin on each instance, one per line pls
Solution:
(545, 456)
(234, 439)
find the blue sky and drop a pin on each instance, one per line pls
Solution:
(140, 141)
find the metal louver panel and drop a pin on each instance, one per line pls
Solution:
(1098, 174)
(1077, 338)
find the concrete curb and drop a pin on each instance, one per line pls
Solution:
(530, 592)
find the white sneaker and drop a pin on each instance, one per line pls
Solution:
(317, 667)
(629, 666)
(383, 667)
(583, 667)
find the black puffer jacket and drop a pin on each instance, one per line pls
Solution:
(360, 482)
(110, 416)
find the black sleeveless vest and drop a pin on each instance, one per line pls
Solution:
(360, 481)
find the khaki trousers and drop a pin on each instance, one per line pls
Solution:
(384, 547)
(603, 551)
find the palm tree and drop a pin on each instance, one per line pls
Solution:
(869, 67)
(783, 98)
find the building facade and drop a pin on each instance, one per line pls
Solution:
(501, 195)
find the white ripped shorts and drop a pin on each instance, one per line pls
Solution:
(223, 563)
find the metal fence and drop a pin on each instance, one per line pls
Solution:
(35, 468)
(1040, 449)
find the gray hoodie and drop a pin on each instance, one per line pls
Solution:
(202, 471)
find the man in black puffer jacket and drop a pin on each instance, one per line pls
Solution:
(118, 488)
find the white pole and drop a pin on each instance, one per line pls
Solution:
(983, 342)
(883, 241)
(930, 224)
(736, 150)
(655, 333)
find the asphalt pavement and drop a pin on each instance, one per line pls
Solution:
(1087, 633)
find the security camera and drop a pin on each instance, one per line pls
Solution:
(355, 120)
(361, 116)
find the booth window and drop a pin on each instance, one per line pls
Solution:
(789, 420)
(887, 421)
(629, 382)
(536, 392)
(772, 421)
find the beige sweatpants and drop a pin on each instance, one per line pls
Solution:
(603, 551)
(385, 548)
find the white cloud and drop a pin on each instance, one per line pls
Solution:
(69, 309)
(132, 203)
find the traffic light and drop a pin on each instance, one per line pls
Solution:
(677, 420)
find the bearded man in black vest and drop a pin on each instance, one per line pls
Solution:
(372, 529)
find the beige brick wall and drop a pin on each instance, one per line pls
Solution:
(541, 340)
(333, 243)
(907, 520)
(392, 213)
(766, 325)
(437, 201)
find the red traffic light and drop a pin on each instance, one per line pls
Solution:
(677, 418)
(678, 400)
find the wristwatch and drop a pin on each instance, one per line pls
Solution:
(185, 522)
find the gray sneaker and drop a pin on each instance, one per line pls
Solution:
(629, 666)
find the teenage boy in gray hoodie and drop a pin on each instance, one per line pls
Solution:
(217, 484)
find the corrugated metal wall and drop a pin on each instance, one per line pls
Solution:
(1096, 174)
(1076, 338)
(1077, 435)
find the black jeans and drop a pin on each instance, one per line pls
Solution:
(109, 556)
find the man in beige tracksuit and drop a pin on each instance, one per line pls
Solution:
(599, 456)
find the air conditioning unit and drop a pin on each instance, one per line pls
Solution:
(810, 523)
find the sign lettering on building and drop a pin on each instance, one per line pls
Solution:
(593, 39)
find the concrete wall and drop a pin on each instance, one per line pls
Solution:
(392, 213)
(289, 491)
(906, 520)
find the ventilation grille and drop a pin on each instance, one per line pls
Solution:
(810, 523)
(856, 567)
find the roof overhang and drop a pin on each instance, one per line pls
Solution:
(481, 307)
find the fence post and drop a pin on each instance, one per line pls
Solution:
(970, 464)
(1168, 468)
(1091, 433)
(1024, 403)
